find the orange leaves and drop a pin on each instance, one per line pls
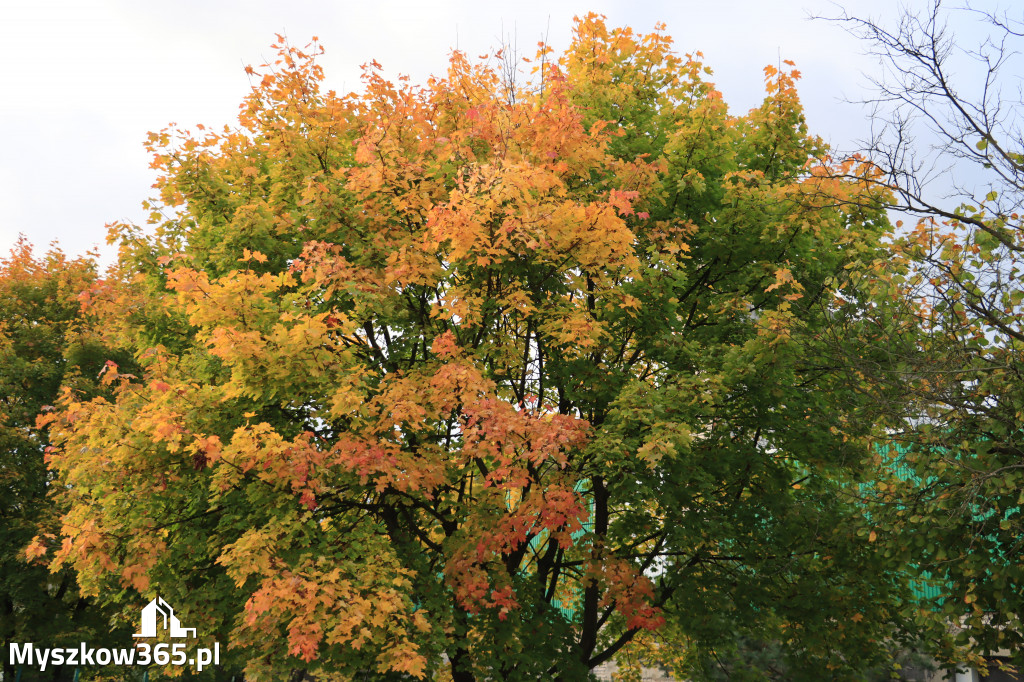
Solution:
(325, 269)
(445, 346)
(503, 212)
(304, 638)
(109, 373)
(628, 591)
(206, 449)
(291, 465)
(136, 577)
(37, 548)
(562, 514)
(622, 201)
(779, 82)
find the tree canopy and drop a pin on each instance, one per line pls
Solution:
(495, 377)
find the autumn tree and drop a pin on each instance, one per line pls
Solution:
(949, 142)
(495, 378)
(44, 344)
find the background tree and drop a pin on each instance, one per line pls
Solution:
(949, 140)
(524, 374)
(45, 344)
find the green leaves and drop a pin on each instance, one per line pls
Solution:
(46, 342)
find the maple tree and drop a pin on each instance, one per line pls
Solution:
(953, 504)
(498, 377)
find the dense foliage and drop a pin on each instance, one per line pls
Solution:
(44, 344)
(498, 377)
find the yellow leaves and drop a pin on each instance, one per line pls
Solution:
(269, 341)
(782, 276)
(249, 555)
(414, 265)
(347, 400)
(248, 255)
(663, 440)
(775, 326)
(574, 330)
(630, 303)
(403, 661)
(514, 210)
(653, 450)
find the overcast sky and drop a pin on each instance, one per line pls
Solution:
(84, 80)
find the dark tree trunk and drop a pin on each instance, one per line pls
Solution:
(461, 669)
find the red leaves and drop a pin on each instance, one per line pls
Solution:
(504, 600)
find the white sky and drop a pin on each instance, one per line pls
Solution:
(84, 80)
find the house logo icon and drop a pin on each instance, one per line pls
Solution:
(159, 614)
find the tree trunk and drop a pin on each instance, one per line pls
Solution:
(461, 669)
